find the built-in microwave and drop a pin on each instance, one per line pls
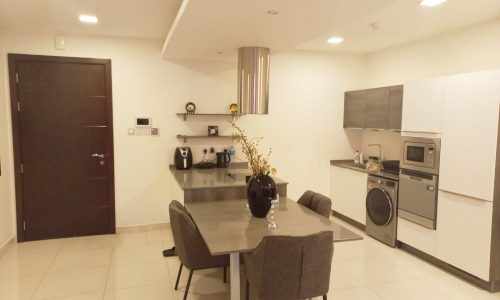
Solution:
(420, 154)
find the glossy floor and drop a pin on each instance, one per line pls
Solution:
(130, 266)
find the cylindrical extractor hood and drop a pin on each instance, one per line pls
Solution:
(253, 80)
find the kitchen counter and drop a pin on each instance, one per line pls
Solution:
(214, 178)
(215, 184)
(349, 164)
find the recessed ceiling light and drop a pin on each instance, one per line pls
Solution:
(335, 40)
(88, 19)
(273, 12)
(431, 2)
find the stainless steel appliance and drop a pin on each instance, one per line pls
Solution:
(183, 158)
(418, 197)
(381, 209)
(420, 154)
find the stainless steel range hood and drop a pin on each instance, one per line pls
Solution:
(253, 80)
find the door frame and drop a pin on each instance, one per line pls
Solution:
(13, 59)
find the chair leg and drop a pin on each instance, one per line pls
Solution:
(247, 291)
(324, 297)
(225, 276)
(188, 284)
(178, 277)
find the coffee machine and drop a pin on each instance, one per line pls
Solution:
(223, 159)
(183, 158)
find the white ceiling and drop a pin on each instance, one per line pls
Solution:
(129, 18)
(214, 29)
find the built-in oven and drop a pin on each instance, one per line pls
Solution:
(420, 154)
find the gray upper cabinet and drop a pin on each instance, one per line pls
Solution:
(377, 108)
(354, 109)
(395, 106)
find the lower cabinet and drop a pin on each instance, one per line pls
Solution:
(464, 233)
(417, 236)
(348, 192)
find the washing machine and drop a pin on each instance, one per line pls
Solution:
(381, 209)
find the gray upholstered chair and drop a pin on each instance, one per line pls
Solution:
(286, 267)
(189, 245)
(317, 202)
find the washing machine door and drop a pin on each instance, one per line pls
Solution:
(379, 207)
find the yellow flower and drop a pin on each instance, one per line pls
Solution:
(273, 171)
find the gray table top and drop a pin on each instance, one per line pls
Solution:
(214, 178)
(228, 226)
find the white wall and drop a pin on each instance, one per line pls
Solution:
(304, 126)
(467, 50)
(6, 181)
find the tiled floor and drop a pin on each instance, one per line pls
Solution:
(130, 266)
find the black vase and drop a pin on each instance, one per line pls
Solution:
(261, 190)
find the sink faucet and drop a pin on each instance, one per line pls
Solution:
(379, 150)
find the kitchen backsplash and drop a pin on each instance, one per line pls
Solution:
(389, 141)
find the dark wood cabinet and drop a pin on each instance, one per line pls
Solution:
(355, 109)
(377, 108)
(395, 106)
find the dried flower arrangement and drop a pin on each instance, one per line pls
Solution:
(258, 162)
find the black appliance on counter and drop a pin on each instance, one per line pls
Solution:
(183, 158)
(391, 166)
(223, 159)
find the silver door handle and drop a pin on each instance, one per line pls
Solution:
(101, 156)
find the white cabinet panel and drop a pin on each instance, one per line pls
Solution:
(417, 236)
(356, 195)
(348, 192)
(422, 105)
(464, 233)
(469, 137)
(338, 189)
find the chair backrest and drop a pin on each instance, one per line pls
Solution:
(295, 267)
(189, 245)
(317, 202)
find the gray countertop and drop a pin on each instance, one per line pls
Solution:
(349, 164)
(214, 178)
(228, 226)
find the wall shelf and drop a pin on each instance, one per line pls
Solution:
(185, 115)
(186, 137)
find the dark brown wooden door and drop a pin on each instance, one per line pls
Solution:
(63, 143)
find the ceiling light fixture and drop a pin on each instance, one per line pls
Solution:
(88, 19)
(335, 40)
(431, 2)
(273, 12)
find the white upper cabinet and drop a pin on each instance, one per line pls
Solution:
(469, 136)
(422, 105)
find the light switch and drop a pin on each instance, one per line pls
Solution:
(131, 131)
(155, 131)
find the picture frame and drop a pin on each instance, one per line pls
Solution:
(213, 130)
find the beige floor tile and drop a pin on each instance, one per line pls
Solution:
(359, 293)
(81, 259)
(341, 279)
(140, 274)
(408, 290)
(22, 265)
(150, 292)
(36, 248)
(458, 289)
(72, 283)
(138, 253)
(376, 270)
(154, 237)
(130, 239)
(19, 288)
(93, 296)
(89, 242)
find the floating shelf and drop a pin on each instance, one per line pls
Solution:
(186, 137)
(185, 115)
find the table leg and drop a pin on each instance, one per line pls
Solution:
(234, 266)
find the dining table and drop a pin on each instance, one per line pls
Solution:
(228, 227)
